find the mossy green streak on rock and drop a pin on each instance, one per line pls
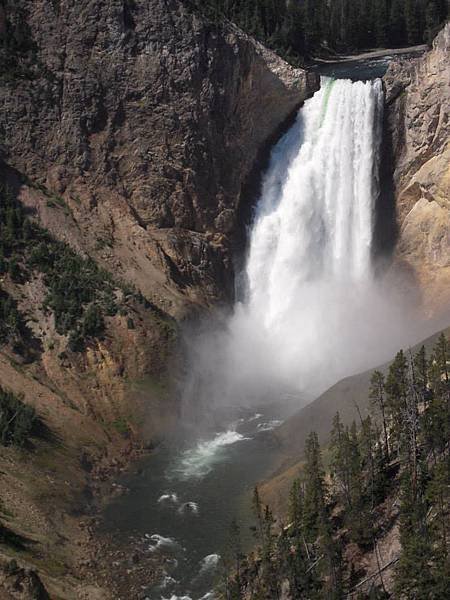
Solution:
(328, 88)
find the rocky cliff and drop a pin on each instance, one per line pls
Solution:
(146, 119)
(418, 101)
(129, 130)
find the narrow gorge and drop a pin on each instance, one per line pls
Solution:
(204, 253)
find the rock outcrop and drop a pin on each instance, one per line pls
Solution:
(418, 104)
(146, 119)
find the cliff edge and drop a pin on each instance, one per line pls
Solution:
(418, 101)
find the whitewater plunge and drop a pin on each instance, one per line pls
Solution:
(311, 310)
(309, 265)
(314, 222)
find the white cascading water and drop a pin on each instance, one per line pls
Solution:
(309, 259)
(314, 221)
(312, 310)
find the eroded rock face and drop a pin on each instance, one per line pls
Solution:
(418, 101)
(146, 119)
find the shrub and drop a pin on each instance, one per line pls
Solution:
(18, 421)
(12, 325)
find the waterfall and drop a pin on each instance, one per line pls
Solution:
(311, 309)
(314, 221)
(309, 270)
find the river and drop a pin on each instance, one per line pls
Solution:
(183, 498)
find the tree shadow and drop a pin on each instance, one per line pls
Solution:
(14, 540)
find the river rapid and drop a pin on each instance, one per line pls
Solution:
(183, 498)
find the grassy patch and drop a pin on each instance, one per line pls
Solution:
(122, 426)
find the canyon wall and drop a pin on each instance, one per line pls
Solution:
(146, 119)
(418, 104)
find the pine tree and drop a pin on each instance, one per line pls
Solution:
(295, 509)
(377, 396)
(314, 492)
(438, 495)
(411, 22)
(233, 563)
(381, 23)
(396, 28)
(396, 394)
(14, 269)
(258, 512)
(414, 578)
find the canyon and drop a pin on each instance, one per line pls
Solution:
(135, 132)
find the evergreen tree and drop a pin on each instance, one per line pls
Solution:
(412, 22)
(396, 395)
(299, 28)
(377, 396)
(396, 27)
(14, 269)
(414, 578)
(233, 563)
(314, 492)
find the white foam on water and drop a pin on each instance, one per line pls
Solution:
(170, 497)
(197, 462)
(269, 425)
(209, 563)
(255, 417)
(189, 508)
(161, 543)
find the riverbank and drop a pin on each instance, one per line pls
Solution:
(49, 503)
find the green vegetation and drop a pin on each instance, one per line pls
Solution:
(12, 326)
(18, 421)
(73, 282)
(302, 28)
(80, 294)
(122, 426)
(394, 468)
(10, 538)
